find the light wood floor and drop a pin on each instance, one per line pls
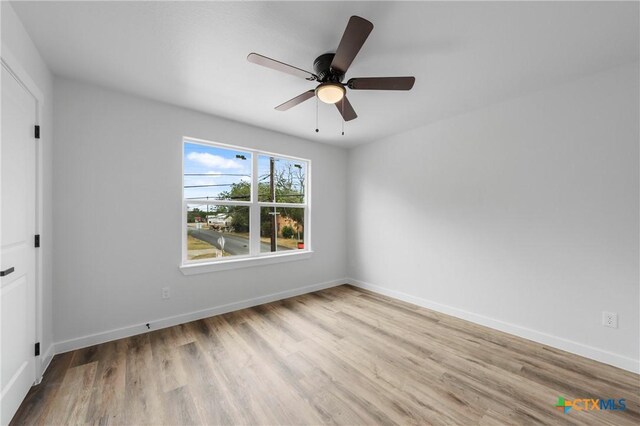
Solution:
(338, 356)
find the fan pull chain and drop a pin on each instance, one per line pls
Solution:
(343, 116)
(317, 115)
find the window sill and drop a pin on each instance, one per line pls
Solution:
(223, 265)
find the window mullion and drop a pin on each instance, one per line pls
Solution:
(291, 205)
(184, 229)
(254, 228)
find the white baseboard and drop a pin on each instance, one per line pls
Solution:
(132, 330)
(45, 360)
(586, 351)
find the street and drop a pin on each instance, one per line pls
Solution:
(234, 244)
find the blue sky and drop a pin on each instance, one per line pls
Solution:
(223, 167)
(220, 166)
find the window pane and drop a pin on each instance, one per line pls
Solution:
(217, 231)
(216, 173)
(281, 229)
(281, 180)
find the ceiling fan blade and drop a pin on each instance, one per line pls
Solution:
(347, 112)
(280, 66)
(297, 100)
(381, 83)
(354, 36)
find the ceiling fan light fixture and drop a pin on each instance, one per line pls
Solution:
(330, 93)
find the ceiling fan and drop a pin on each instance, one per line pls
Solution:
(331, 68)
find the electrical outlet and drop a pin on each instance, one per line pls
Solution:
(610, 319)
(165, 293)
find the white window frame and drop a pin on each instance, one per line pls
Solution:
(255, 257)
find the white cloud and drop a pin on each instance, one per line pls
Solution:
(214, 178)
(214, 161)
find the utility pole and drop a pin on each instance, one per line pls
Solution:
(272, 190)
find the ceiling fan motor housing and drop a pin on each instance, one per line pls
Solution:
(322, 67)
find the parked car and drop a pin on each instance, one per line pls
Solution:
(220, 222)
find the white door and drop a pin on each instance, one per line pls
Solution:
(17, 255)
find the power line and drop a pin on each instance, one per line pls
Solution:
(205, 186)
(216, 174)
(237, 197)
(240, 197)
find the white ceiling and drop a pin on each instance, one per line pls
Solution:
(463, 55)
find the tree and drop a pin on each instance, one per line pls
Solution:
(239, 214)
(196, 212)
(287, 231)
(288, 185)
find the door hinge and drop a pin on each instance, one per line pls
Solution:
(36, 131)
(36, 241)
(37, 348)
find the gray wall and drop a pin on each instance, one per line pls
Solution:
(522, 215)
(117, 202)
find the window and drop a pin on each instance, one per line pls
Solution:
(242, 204)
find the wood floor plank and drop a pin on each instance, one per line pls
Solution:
(107, 399)
(143, 393)
(234, 359)
(215, 408)
(180, 408)
(272, 371)
(71, 403)
(340, 356)
(38, 402)
(171, 374)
